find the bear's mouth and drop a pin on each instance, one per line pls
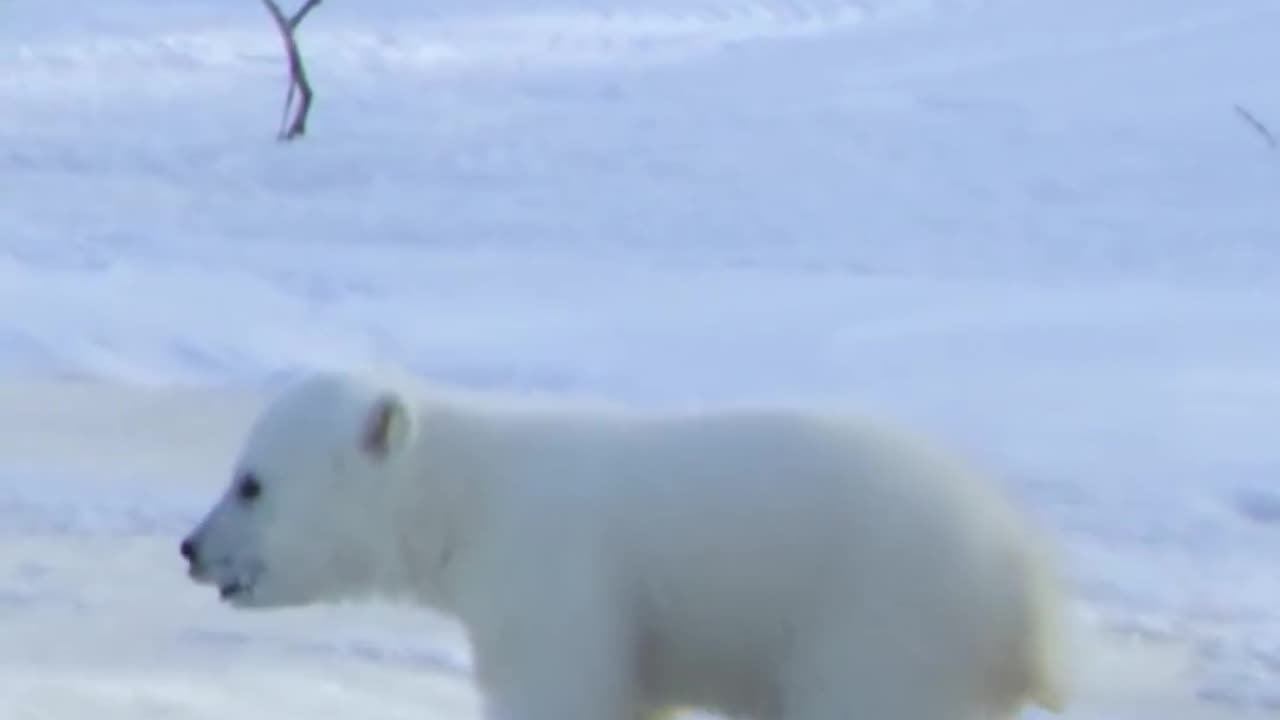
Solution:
(235, 586)
(235, 589)
(232, 589)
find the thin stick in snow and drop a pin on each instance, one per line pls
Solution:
(297, 72)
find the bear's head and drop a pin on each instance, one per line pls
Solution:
(304, 517)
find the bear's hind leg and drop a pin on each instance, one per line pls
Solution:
(872, 678)
(875, 704)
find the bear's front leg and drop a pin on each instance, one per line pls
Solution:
(571, 663)
(557, 680)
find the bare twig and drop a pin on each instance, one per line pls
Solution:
(297, 72)
(1257, 125)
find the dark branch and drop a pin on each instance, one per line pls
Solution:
(302, 13)
(298, 82)
(1257, 125)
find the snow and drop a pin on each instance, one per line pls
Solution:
(1038, 229)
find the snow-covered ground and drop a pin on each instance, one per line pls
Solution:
(1039, 228)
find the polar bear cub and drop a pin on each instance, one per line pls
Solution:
(758, 563)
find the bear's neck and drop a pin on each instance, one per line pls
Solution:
(444, 482)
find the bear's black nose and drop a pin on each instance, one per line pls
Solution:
(188, 550)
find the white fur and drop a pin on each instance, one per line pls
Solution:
(761, 563)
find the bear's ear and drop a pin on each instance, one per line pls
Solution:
(387, 427)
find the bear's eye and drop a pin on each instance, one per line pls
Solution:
(249, 488)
